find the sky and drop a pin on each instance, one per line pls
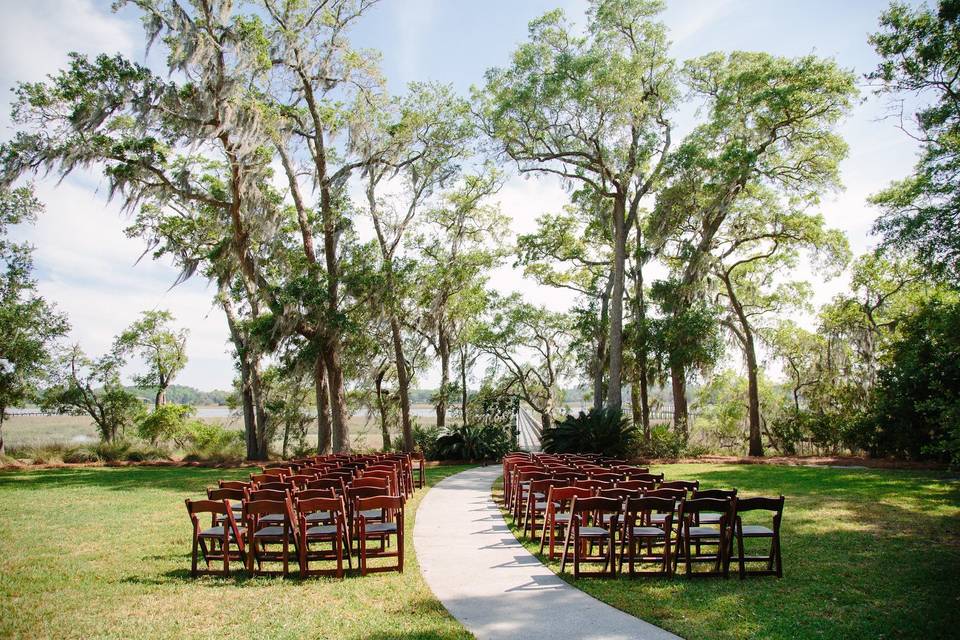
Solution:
(86, 265)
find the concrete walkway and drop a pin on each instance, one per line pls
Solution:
(494, 586)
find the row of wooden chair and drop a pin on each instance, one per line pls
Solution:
(638, 520)
(303, 514)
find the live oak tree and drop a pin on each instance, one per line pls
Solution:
(920, 57)
(770, 121)
(591, 109)
(163, 349)
(529, 344)
(30, 327)
(759, 244)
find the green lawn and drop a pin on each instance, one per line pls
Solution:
(104, 553)
(867, 554)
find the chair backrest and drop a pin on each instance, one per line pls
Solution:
(226, 494)
(673, 494)
(643, 485)
(697, 505)
(234, 484)
(570, 475)
(724, 494)
(649, 477)
(686, 485)
(618, 493)
(277, 471)
(257, 508)
(636, 507)
(218, 507)
(565, 494)
(300, 479)
(593, 484)
(390, 503)
(328, 483)
(310, 494)
(265, 494)
(262, 477)
(346, 474)
(356, 493)
(306, 506)
(630, 470)
(595, 505)
(759, 504)
(275, 486)
(366, 481)
(607, 477)
(544, 486)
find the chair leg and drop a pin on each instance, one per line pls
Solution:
(193, 557)
(543, 532)
(742, 562)
(566, 547)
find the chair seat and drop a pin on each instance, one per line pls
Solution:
(322, 531)
(756, 531)
(562, 517)
(710, 518)
(541, 506)
(381, 527)
(647, 532)
(703, 532)
(594, 532)
(270, 532)
(658, 517)
(217, 532)
(318, 516)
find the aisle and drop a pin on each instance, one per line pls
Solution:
(494, 586)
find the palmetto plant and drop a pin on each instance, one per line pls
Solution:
(470, 442)
(606, 431)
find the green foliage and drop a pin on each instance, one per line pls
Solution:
(425, 439)
(181, 394)
(664, 444)
(915, 409)
(29, 326)
(124, 450)
(153, 339)
(605, 431)
(166, 423)
(473, 443)
(920, 55)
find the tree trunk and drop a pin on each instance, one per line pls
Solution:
(641, 358)
(3, 446)
(249, 419)
(679, 383)
(750, 354)
(635, 410)
(443, 344)
(644, 401)
(263, 439)
(382, 409)
(600, 355)
(161, 398)
(338, 397)
(403, 383)
(323, 406)
(614, 398)
(463, 383)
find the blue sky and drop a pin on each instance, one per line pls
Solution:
(87, 266)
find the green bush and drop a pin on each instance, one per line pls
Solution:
(112, 451)
(166, 423)
(425, 440)
(605, 431)
(468, 442)
(663, 443)
(212, 443)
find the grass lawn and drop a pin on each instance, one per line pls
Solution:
(867, 554)
(104, 553)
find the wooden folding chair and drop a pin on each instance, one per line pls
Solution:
(391, 525)
(586, 531)
(686, 485)
(774, 558)
(336, 484)
(522, 481)
(334, 532)
(262, 536)
(656, 478)
(641, 485)
(228, 536)
(235, 496)
(557, 517)
(708, 517)
(691, 536)
(639, 531)
(537, 503)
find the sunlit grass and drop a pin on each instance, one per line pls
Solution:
(104, 553)
(867, 554)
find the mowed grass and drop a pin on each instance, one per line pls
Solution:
(104, 553)
(867, 554)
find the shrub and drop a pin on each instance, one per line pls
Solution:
(425, 440)
(663, 443)
(605, 431)
(468, 442)
(112, 451)
(166, 423)
(147, 453)
(213, 443)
